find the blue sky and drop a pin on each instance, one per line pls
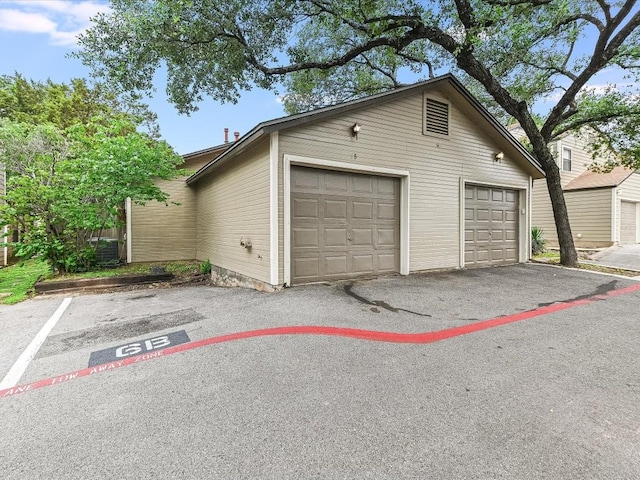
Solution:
(36, 36)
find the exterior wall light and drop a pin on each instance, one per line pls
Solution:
(499, 157)
(355, 129)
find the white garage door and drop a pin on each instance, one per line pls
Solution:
(491, 226)
(628, 223)
(343, 224)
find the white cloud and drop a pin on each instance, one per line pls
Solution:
(606, 88)
(61, 20)
(17, 21)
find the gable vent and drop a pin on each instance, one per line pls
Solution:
(436, 117)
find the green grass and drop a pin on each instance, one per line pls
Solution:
(18, 279)
(549, 254)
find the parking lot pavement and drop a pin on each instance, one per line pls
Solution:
(554, 396)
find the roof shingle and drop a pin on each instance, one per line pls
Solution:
(591, 179)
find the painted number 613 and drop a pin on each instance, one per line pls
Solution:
(146, 346)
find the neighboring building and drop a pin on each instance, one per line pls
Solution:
(167, 232)
(418, 178)
(603, 207)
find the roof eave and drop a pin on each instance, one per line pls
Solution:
(238, 146)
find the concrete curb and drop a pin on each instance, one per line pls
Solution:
(102, 282)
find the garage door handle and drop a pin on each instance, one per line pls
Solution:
(349, 236)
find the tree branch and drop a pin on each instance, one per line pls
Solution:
(604, 50)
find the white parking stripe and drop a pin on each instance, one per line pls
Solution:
(13, 377)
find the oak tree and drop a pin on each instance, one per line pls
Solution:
(515, 53)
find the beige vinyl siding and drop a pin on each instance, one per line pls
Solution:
(232, 203)
(629, 191)
(589, 215)
(167, 232)
(542, 213)
(580, 157)
(392, 136)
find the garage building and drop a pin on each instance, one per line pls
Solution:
(418, 178)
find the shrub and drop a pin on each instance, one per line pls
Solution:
(537, 241)
(205, 267)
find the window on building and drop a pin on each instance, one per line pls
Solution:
(566, 159)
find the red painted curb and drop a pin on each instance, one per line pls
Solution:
(371, 335)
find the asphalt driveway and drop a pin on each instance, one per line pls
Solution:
(536, 376)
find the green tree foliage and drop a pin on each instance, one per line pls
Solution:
(64, 105)
(512, 52)
(69, 185)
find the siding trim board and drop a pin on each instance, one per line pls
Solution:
(128, 205)
(614, 208)
(274, 155)
(403, 175)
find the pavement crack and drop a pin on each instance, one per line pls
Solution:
(348, 289)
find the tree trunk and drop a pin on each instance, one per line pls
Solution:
(568, 254)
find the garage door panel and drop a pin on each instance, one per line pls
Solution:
(362, 210)
(335, 182)
(335, 209)
(387, 211)
(491, 226)
(305, 237)
(482, 255)
(362, 263)
(305, 208)
(482, 215)
(305, 179)
(307, 267)
(387, 237)
(387, 262)
(362, 237)
(511, 254)
(335, 237)
(335, 265)
(354, 229)
(388, 186)
(482, 194)
(469, 213)
(362, 184)
(469, 235)
(482, 235)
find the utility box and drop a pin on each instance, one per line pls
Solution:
(107, 251)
